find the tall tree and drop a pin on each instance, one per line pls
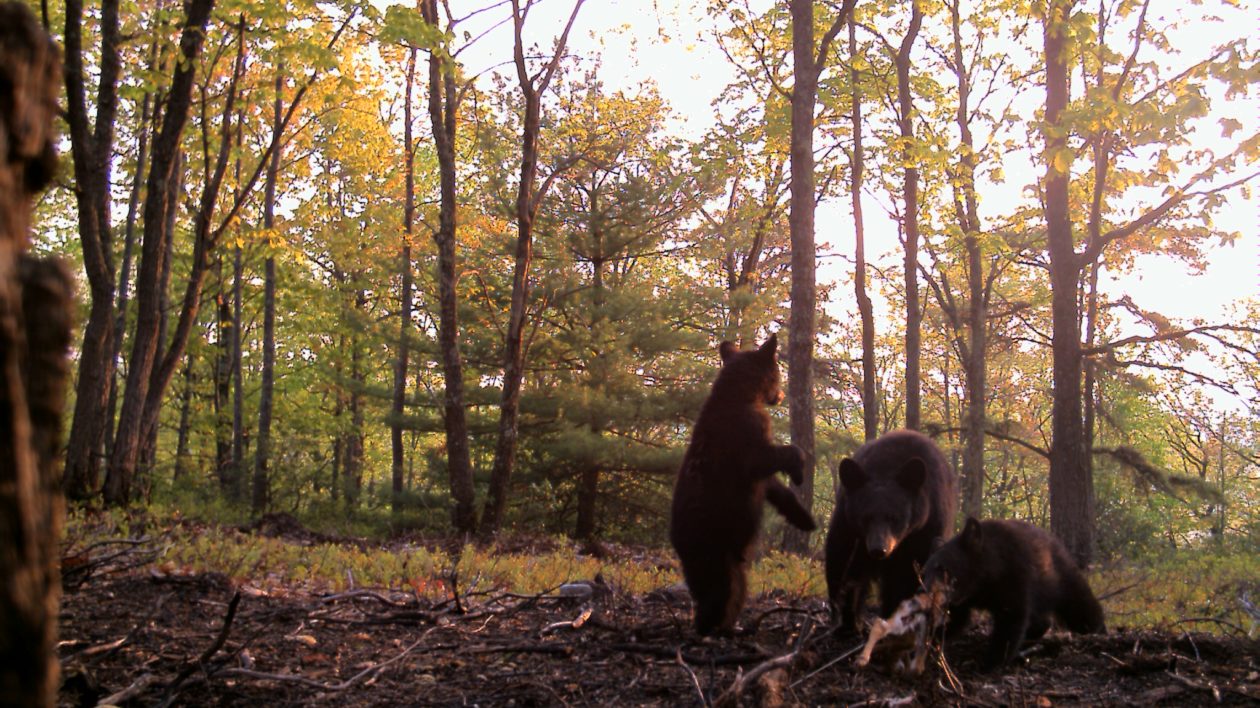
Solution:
(404, 315)
(126, 453)
(262, 443)
(910, 218)
(529, 197)
(870, 400)
(809, 59)
(1071, 481)
(92, 148)
(443, 115)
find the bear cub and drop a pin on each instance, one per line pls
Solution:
(895, 505)
(726, 475)
(1021, 575)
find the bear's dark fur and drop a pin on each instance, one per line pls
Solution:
(895, 508)
(725, 477)
(1021, 575)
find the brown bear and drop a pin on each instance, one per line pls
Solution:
(726, 475)
(1021, 575)
(896, 504)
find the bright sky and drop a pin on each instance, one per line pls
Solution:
(670, 42)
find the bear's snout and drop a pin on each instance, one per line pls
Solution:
(880, 544)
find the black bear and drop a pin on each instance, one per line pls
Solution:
(1021, 575)
(895, 508)
(726, 475)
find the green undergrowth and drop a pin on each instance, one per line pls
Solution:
(1197, 591)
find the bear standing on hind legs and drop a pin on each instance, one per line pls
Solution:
(726, 475)
(896, 507)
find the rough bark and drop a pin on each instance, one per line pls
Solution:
(35, 310)
(443, 111)
(528, 198)
(866, 311)
(1071, 483)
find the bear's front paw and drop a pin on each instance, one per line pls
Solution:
(795, 464)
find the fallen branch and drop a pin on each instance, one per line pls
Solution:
(136, 688)
(730, 696)
(666, 653)
(329, 687)
(173, 690)
(695, 680)
(827, 665)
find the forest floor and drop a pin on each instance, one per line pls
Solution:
(133, 634)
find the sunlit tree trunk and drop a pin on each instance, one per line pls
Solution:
(910, 220)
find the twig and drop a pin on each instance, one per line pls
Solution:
(664, 653)
(827, 665)
(330, 687)
(352, 594)
(136, 688)
(173, 690)
(742, 681)
(695, 680)
(1216, 692)
(1217, 620)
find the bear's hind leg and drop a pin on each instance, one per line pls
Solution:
(710, 583)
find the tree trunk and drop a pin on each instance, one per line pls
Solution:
(122, 463)
(223, 383)
(262, 447)
(804, 294)
(870, 399)
(404, 323)
(1071, 483)
(974, 355)
(185, 415)
(532, 88)
(910, 198)
(443, 108)
(36, 300)
(92, 151)
(238, 376)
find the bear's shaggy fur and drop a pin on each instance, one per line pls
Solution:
(895, 508)
(725, 477)
(1021, 575)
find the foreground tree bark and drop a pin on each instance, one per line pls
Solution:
(806, 68)
(35, 307)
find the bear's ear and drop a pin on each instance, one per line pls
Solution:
(851, 475)
(912, 474)
(972, 534)
(769, 346)
(727, 350)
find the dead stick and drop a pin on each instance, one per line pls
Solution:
(331, 687)
(695, 681)
(136, 688)
(173, 689)
(731, 695)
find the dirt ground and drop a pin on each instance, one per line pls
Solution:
(137, 637)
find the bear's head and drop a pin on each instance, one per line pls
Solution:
(958, 564)
(750, 376)
(886, 507)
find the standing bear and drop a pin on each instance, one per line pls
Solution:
(896, 506)
(1021, 575)
(726, 475)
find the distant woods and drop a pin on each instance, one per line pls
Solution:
(437, 263)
